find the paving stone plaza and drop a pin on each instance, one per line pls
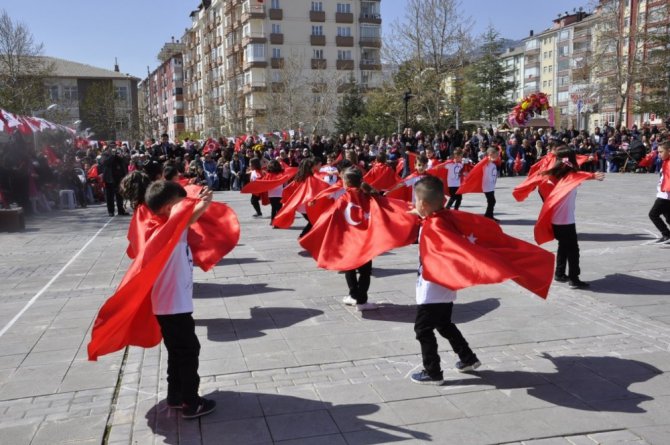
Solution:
(288, 363)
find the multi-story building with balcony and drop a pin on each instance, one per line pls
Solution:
(241, 54)
(162, 94)
(513, 61)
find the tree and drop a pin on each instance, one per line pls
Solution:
(325, 98)
(97, 109)
(654, 94)
(351, 108)
(486, 84)
(22, 70)
(287, 99)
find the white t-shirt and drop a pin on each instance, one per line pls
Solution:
(254, 175)
(454, 174)
(660, 194)
(490, 177)
(331, 178)
(428, 292)
(173, 290)
(564, 213)
(410, 182)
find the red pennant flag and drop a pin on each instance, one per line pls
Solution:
(381, 177)
(460, 250)
(269, 181)
(357, 228)
(294, 196)
(648, 160)
(544, 231)
(665, 170)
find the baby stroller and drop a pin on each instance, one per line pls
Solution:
(634, 155)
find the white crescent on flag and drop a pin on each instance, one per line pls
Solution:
(349, 219)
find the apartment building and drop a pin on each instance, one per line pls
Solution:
(161, 94)
(513, 60)
(241, 53)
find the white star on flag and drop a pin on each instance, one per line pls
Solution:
(472, 238)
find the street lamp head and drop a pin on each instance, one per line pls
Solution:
(51, 107)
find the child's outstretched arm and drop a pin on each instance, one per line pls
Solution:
(206, 196)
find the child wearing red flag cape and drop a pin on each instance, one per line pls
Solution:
(662, 204)
(557, 217)
(454, 173)
(381, 176)
(404, 189)
(482, 179)
(255, 174)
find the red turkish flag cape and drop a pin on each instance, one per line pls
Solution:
(534, 178)
(357, 228)
(322, 202)
(127, 317)
(544, 231)
(403, 189)
(381, 177)
(269, 181)
(473, 183)
(294, 195)
(411, 158)
(648, 160)
(518, 165)
(665, 171)
(460, 250)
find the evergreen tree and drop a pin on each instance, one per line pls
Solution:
(486, 84)
(351, 107)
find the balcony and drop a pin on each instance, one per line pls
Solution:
(317, 40)
(317, 16)
(532, 61)
(258, 110)
(253, 12)
(254, 37)
(277, 62)
(254, 86)
(371, 42)
(344, 17)
(370, 17)
(582, 50)
(319, 64)
(277, 38)
(255, 64)
(532, 50)
(584, 34)
(345, 65)
(370, 65)
(276, 14)
(344, 41)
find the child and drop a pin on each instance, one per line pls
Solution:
(172, 302)
(662, 204)
(329, 170)
(559, 211)
(489, 181)
(255, 173)
(435, 303)
(358, 286)
(275, 168)
(454, 171)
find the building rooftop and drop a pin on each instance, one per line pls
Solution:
(68, 68)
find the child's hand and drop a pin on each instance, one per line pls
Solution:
(206, 194)
(599, 176)
(414, 212)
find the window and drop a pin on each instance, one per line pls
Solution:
(564, 35)
(370, 31)
(317, 30)
(531, 44)
(274, 4)
(121, 94)
(344, 54)
(317, 54)
(564, 50)
(563, 96)
(344, 31)
(276, 53)
(317, 6)
(276, 76)
(550, 68)
(544, 70)
(276, 28)
(247, 78)
(53, 93)
(549, 83)
(70, 93)
(544, 84)
(255, 52)
(344, 8)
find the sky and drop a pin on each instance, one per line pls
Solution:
(96, 31)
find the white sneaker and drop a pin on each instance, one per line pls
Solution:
(366, 307)
(349, 301)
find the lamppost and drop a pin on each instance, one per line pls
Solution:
(406, 98)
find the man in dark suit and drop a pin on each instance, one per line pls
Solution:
(163, 151)
(113, 171)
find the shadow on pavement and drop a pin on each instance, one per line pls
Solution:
(518, 222)
(228, 261)
(629, 284)
(463, 312)
(614, 237)
(285, 417)
(388, 272)
(217, 290)
(584, 383)
(261, 319)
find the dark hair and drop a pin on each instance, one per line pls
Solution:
(381, 158)
(343, 165)
(353, 177)
(133, 187)
(566, 163)
(458, 152)
(423, 160)
(274, 166)
(430, 189)
(255, 163)
(165, 135)
(170, 172)
(161, 193)
(304, 170)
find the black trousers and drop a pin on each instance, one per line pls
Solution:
(661, 207)
(183, 349)
(256, 203)
(112, 194)
(307, 228)
(275, 205)
(568, 250)
(454, 199)
(490, 203)
(359, 285)
(437, 316)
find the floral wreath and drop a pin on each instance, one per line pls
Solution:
(530, 106)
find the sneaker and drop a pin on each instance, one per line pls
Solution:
(422, 378)
(578, 284)
(366, 307)
(561, 278)
(663, 240)
(468, 366)
(349, 301)
(204, 407)
(257, 215)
